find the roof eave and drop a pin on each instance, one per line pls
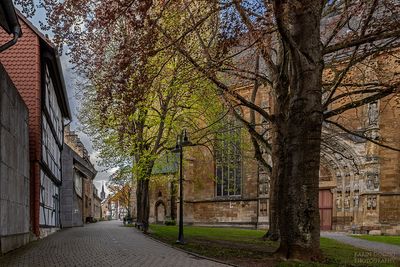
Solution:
(50, 53)
(67, 108)
(49, 47)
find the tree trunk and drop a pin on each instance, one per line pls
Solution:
(273, 231)
(145, 202)
(139, 212)
(274, 193)
(300, 130)
(299, 213)
(138, 201)
(142, 194)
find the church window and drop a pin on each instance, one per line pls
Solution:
(228, 161)
(263, 207)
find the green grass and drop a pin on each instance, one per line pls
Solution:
(211, 233)
(340, 254)
(246, 247)
(393, 240)
(227, 244)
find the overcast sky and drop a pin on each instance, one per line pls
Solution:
(70, 80)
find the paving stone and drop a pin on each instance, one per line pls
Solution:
(101, 244)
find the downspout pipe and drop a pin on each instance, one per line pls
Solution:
(13, 25)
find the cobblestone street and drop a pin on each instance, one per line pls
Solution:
(100, 244)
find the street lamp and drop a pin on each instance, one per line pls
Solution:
(181, 141)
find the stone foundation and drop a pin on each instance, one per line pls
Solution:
(12, 242)
(45, 232)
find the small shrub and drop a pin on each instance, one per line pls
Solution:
(170, 222)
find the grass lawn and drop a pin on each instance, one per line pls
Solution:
(246, 247)
(393, 240)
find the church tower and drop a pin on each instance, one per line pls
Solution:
(102, 193)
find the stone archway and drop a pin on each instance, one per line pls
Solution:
(160, 211)
(340, 181)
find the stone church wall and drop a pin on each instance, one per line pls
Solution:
(389, 197)
(204, 207)
(365, 176)
(160, 199)
(361, 178)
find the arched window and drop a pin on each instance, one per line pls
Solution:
(228, 160)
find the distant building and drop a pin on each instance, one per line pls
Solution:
(78, 189)
(112, 209)
(34, 67)
(105, 210)
(78, 175)
(96, 204)
(102, 193)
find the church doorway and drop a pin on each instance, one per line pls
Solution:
(160, 212)
(325, 209)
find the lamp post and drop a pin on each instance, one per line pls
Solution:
(181, 141)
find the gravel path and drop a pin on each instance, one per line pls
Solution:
(377, 247)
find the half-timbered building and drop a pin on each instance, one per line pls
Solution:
(34, 67)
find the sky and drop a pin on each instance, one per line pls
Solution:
(70, 78)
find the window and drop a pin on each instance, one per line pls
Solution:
(49, 202)
(51, 104)
(228, 162)
(263, 183)
(50, 151)
(78, 183)
(263, 207)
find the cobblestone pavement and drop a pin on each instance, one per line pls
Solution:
(101, 244)
(377, 247)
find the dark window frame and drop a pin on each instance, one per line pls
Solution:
(228, 159)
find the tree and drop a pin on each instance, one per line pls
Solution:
(120, 186)
(134, 108)
(297, 41)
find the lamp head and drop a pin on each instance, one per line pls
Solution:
(185, 139)
(177, 147)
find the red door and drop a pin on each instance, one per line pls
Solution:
(325, 209)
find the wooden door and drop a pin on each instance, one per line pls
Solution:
(325, 209)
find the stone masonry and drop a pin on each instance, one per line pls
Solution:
(359, 180)
(14, 167)
(71, 212)
(101, 244)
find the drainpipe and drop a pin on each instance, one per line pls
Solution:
(13, 26)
